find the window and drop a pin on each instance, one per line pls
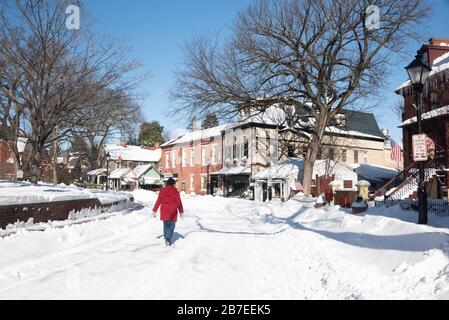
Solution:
(331, 154)
(184, 157)
(245, 147)
(192, 156)
(167, 159)
(234, 148)
(204, 155)
(291, 151)
(119, 164)
(192, 183)
(228, 153)
(183, 186)
(214, 153)
(365, 158)
(356, 156)
(344, 156)
(257, 144)
(203, 182)
(173, 160)
(347, 184)
(268, 147)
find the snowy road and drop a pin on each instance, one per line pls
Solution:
(230, 249)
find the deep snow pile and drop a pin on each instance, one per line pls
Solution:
(23, 192)
(232, 249)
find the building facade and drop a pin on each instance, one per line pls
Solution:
(353, 138)
(225, 160)
(193, 159)
(248, 148)
(127, 164)
(435, 107)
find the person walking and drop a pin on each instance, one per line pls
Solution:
(170, 203)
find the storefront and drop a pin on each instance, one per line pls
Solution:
(234, 182)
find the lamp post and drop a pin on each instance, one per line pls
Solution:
(208, 176)
(418, 73)
(108, 158)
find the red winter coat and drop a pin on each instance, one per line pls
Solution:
(170, 203)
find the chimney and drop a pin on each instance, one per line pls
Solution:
(439, 41)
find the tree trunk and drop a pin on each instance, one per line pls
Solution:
(35, 177)
(309, 164)
(312, 153)
(37, 156)
(55, 159)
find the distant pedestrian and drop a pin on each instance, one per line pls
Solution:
(170, 203)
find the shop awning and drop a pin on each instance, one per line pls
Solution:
(233, 171)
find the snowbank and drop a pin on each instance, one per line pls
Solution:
(22, 192)
(276, 250)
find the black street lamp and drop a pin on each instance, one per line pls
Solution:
(108, 158)
(418, 73)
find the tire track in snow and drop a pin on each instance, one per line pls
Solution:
(32, 266)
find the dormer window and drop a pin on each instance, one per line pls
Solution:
(340, 120)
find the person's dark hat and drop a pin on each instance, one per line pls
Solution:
(171, 182)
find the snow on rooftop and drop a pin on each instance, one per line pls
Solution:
(440, 64)
(292, 167)
(428, 115)
(133, 153)
(197, 135)
(374, 173)
(141, 170)
(119, 173)
(96, 172)
(351, 133)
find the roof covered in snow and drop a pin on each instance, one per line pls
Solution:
(440, 64)
(120, 173)
(141, 170)
(133, 153)
(293, 167)
(374, 173)
(241, 170)
(96, 172)
(197, 135)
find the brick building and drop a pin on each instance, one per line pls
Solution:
(436, 102)
(193, 158)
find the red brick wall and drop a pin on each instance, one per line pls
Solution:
(7, 169)
(185, 172)
(440, 88)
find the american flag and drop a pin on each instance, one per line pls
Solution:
(396, 151)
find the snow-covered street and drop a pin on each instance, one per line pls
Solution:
(230, 249)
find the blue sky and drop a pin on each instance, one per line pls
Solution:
(157, 29)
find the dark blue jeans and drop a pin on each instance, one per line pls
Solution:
(169, 229)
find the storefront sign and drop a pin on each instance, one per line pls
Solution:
(420, 148)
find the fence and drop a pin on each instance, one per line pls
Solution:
(437, 207)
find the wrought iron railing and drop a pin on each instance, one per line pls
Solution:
(397, 181)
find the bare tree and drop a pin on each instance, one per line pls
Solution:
(320, 56)
(55, 73)
(116, 116)
(398, 109)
